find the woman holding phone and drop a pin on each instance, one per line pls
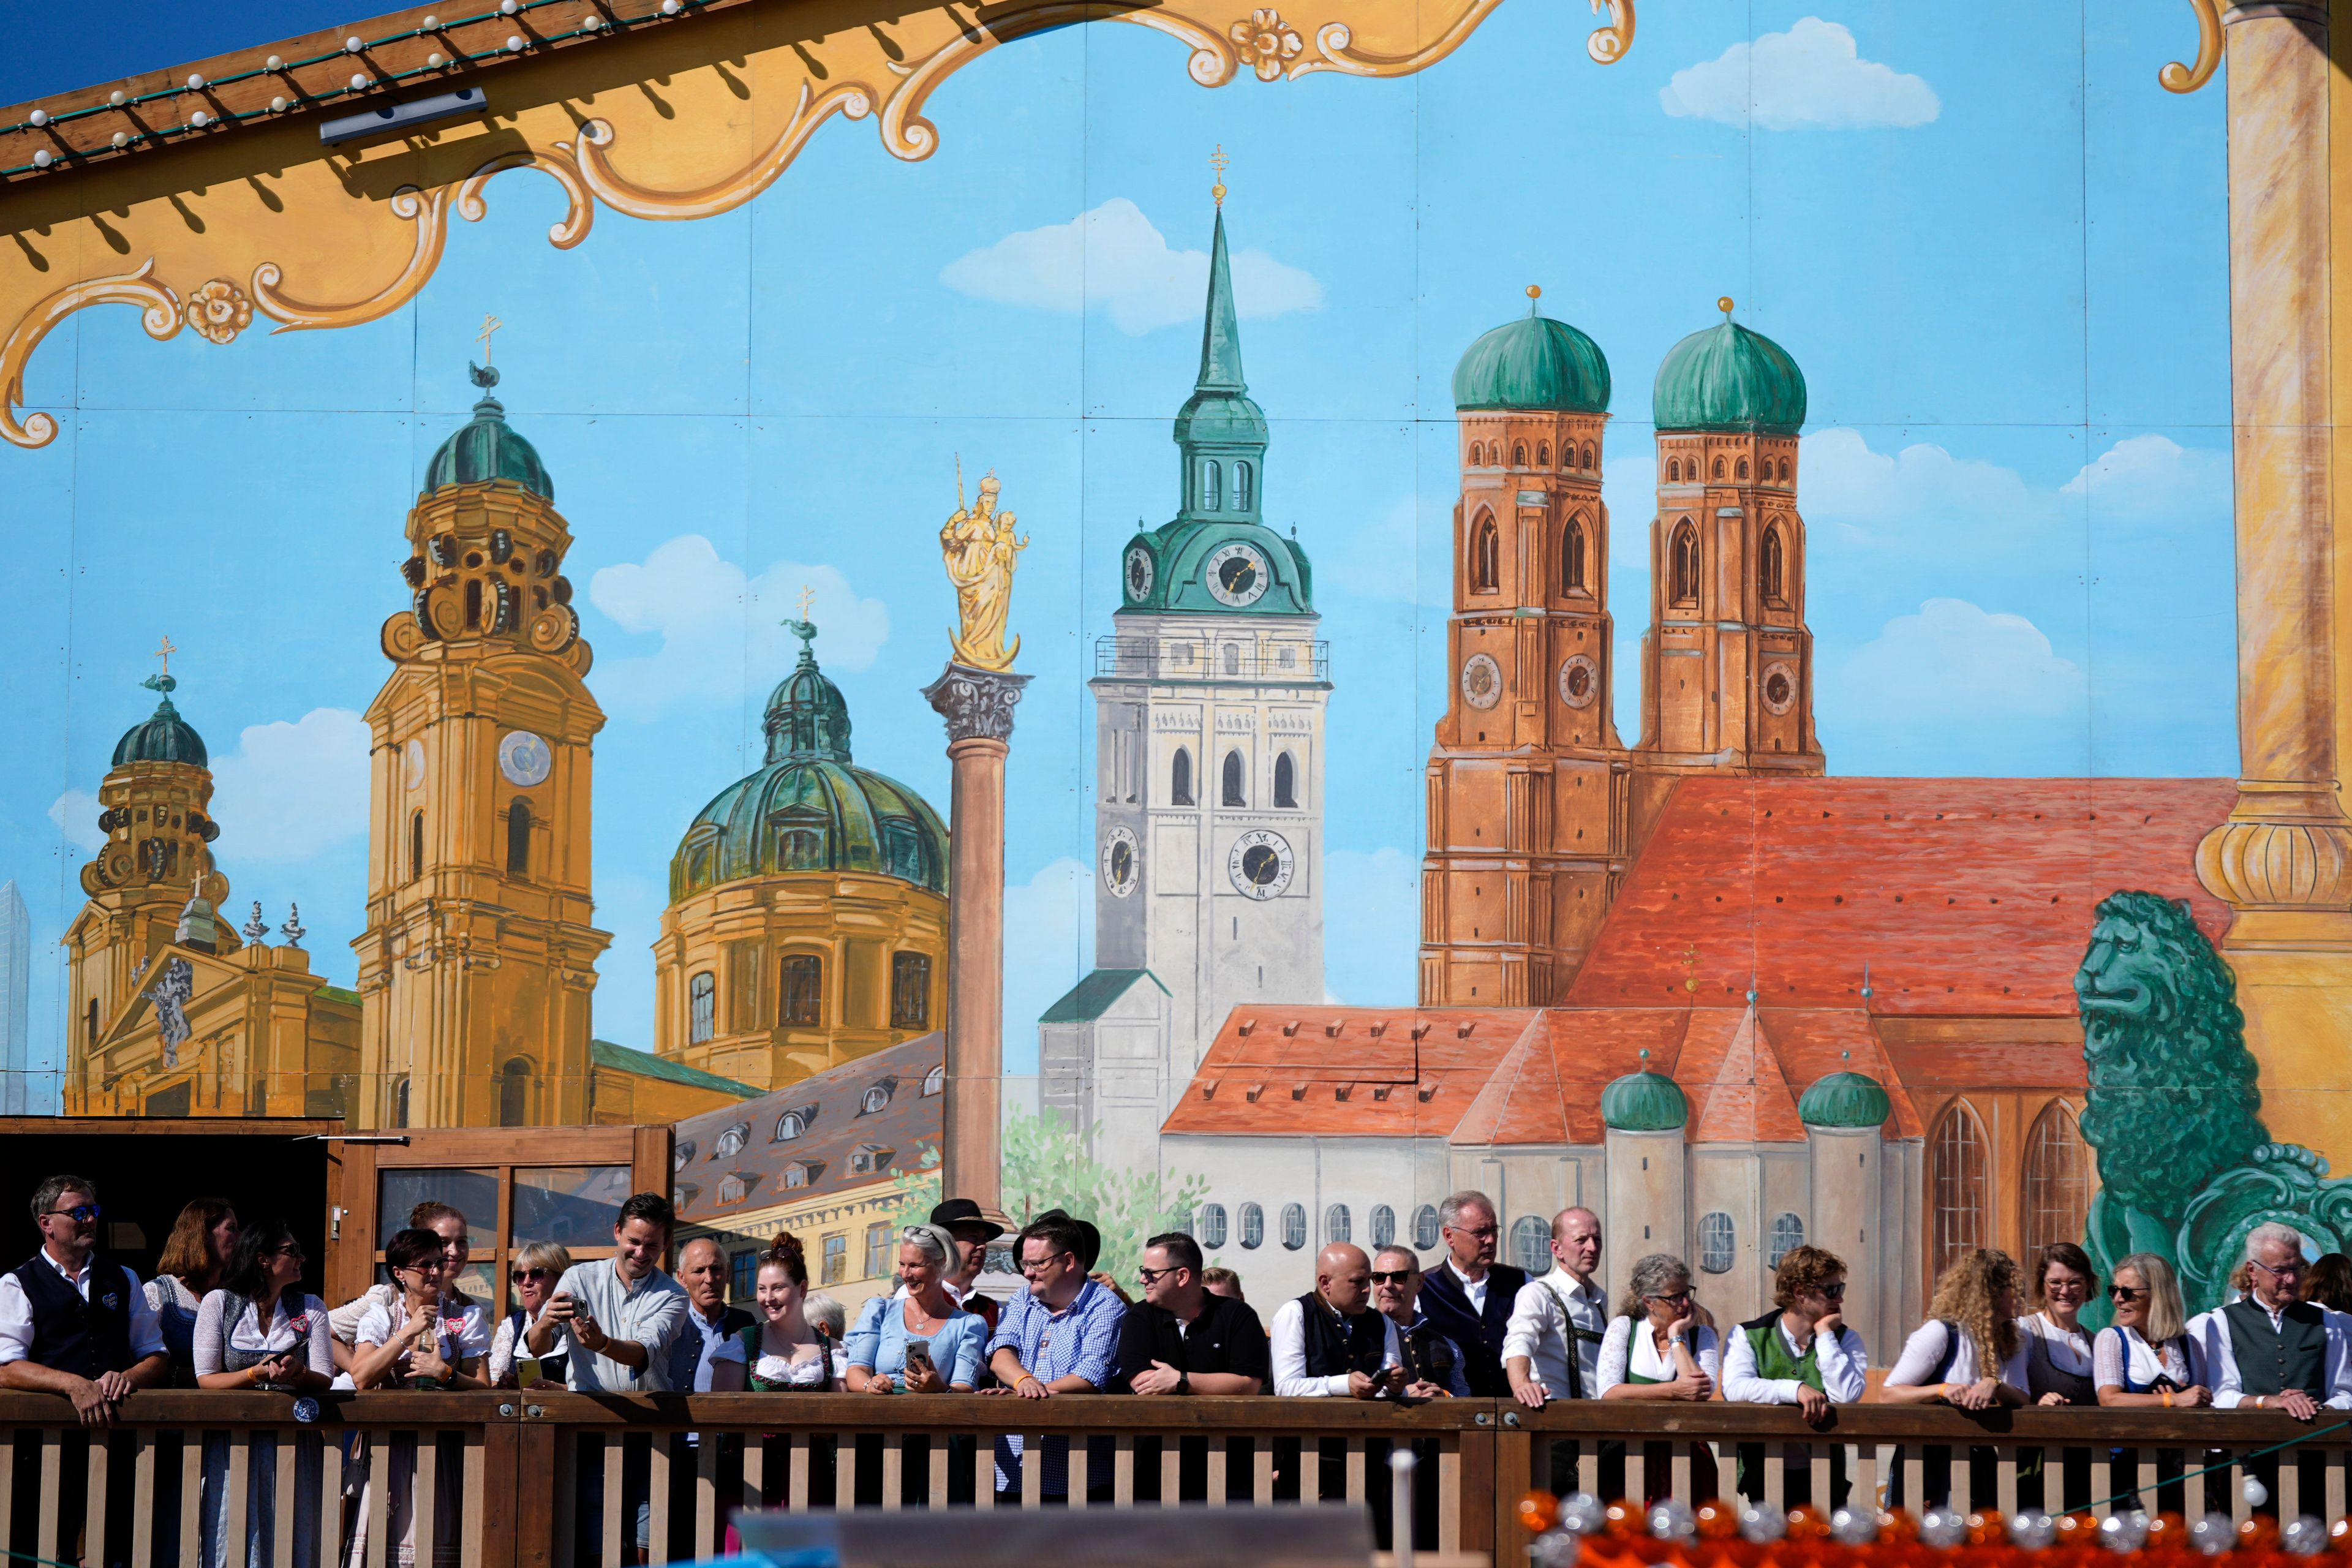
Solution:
(258, 1330)
(919, 1340)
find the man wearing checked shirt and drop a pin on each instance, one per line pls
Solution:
(1060, 1338)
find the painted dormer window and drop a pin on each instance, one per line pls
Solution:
(734, 1189)
(731, 1140)
(796, 1175)
(789, 1126)
(935, 1081)
(680, 1155)
(875, 1100)
(868, 1159)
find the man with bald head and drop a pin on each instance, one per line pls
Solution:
(1330, 1342)
(1552, 1348)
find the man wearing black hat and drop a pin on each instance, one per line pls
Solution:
(962, 1218)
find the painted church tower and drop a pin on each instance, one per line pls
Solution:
(1528, 780)
(1209, 725)
(1727, 664)
(478, 959)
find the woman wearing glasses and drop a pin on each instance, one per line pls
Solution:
(1654, 1348)
(415, 1342)
(259, 1330)
(2145, 1357)
(2057, 1352)
(919, 1341)
(536, 1269)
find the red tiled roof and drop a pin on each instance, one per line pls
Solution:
(1964, 896)
(1748, 1100)
(1812, 1044)
(1367, 1072)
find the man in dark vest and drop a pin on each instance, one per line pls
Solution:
(2276, 1353)
(1330, 1341)
(1468, 1296)
(75, 1322)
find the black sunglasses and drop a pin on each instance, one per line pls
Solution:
(1396, 1277)
(2124, 1293)
(80, 1214)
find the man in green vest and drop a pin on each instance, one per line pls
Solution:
(2276, 1353)
(1803, 1355)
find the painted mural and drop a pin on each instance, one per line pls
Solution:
(1302, 612)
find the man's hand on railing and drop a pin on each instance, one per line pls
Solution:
(94, 1399)
(1812, 1404)
(1527, 1390)
(1364, 1385)
(2293, 1403)
(1159, 1378)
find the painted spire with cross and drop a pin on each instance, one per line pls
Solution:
(162, 680)
(1220, 163)
(802, 627)
(485, 375)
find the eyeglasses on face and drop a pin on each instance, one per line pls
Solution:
(80, 1214)
(2294, 1271)
(1673, 1298)
(1041, 1265)
(1476, 1232)
(2125, 1292)
(1151, 1276)
(2067, 1285)
(1835, 1292)
(432, 1265)
(525, 1276)
(1392, 1277)
(292, 1249)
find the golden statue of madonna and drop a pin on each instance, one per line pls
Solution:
(982, 551)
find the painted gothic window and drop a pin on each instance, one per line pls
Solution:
(1718, 468)
(1572, 557)
(1673, 470)
(1685, 565)
(1286, 781)
(1784, 470)
(1232, 781)
(1212, 485)
(1180, 779)
(1338, 1223)
(1588, 456)
(2058, 1179)
(1244, 489)
(1743, 467)
(1210, 1228)
(1543, 454)
(1788, 1235)
(1519, 453)
(1531, 1244)
(1960, 1185)
(801, 998)
(1294, 1226)
(1718, 1242)
(1772, 566)
(1383, 1225)
(1425, 1227)
(910, 991)
(1485, 557)
(415, 845)
(514, 1093)
(702, 1007)
(1253, 1226)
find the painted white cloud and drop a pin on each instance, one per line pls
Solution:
(289, 791)
(2153, 480)
(1843, 477)
(1048, 948)
(1811, 78)
(1958, 690)
(1112, 258)
(76, 815)
(1372, 927)
(721, 628)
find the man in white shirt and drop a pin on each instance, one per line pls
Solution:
(2273, 1351)
(1801, 1354)
(1330, 1342)
(1552, 1348)
(71, 1321)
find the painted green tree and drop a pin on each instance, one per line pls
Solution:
(1045, 1167)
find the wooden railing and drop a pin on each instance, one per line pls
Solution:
(525, 1479)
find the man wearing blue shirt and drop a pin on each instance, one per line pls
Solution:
(1061, 1337)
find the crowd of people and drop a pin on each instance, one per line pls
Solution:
(226, 1311)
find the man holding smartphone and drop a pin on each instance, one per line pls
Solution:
(1330, 1341)
(613, 1317)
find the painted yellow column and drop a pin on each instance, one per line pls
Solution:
(2283, 857)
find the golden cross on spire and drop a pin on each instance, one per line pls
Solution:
(490, 324)
(808, 597)
(167, 651)
(1219, 162)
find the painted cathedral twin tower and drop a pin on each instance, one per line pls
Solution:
(1211, 693)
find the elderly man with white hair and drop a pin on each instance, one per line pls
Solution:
(2276, 1353)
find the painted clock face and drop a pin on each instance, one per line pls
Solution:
(524, 758)
(1260, 864)
(412, 764)
(1579, 680)
(1121, 863)
(1482, 680)
(1238, 575)
(1139, 575)
(1779, 688)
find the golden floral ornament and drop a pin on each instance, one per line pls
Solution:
(1268, 42)
(218, 311)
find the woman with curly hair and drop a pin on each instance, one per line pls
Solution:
(1968, 1353)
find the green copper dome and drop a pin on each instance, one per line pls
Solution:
(1534, 363)
(165, 737)
(487, 448)
(808, 809)
(1644, 1102)
(1845, 1099)
(1727, 378)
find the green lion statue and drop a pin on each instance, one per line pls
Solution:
(2174, 1101)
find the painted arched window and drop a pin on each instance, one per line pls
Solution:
(701, 1007)
(1473, 460)
(1232, 794)
(1425, 1226)
(800, 995)
(1485, 557)
(514, 1093)
(935, 1082)
(1294, 1226)
(2058, 1179)
(1961, 1186)
(1212, 485)
(1531, 1243)
(1180, 778)
(1543, 454)
(1588, 456)
(1572, 557)
(1286, 781)
(1245, 489)
(1673, 470)
(1743, 467)
(1338, 1225)
(1718, 1242)
(1784, 470)
(415, 845)
(1683, 575)
(519, 838)
(1718, 468)
(1211, 1228)
(1383, 1225)
(1253, 1226)
(1519, 453)
(1771, 564)
(910, 991)
(400, 1102)
(1788, 1235)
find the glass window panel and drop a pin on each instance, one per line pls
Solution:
(576, 1205)
(474, 1193)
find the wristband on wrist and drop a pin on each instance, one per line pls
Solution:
(2167, 1398)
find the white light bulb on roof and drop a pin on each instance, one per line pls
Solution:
(41, 159)
(38, 117)
(507, 8)
(434, 61)
(358, 81)
(430, 25)
(118, 98)
(353, 45)
(195, 81)
(591, 22)
(278, 104)
(199, 119)
(122, 138)
(670, 7)
(514, 43)
(274, 63)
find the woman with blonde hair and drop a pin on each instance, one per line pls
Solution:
(534, 1273)
(2147, 1357)
(1969, 1353)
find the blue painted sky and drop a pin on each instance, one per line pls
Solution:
(1993, 243)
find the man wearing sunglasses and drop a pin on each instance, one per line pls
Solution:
(1432, 1362)
(72, 1321)
(2277, 1353)
(1469, 1298)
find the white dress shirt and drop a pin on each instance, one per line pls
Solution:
(1473, 1291)
(1931, 1341)
(16, 1311)
(2335, 1376)
(1545, 1318)
(1844, 1364)
(1631, 1349)
(1289, 1335)
(2204, 1333)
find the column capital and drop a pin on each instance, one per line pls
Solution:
(976, 703)
(2313, 12)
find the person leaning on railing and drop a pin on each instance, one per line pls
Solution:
(919, 1340)
(1330, 1342)
(2276, 1353)
(1801, 1353)
(1469, 1296)
(1552, 1347)
(418, 1341)
(1060, 1337)
(72, 1321)
(259, 1330)
(1181, 1338)
(2146, 1356)
(194, 1257)
(1969, 1353)
(2058, 1355)
(1655, 1348)
(536, 1269)
(784, 1348)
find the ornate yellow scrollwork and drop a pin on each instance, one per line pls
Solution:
(579, 210)
(854, 100)
(429, 210)
(2177, 78)
(218, 311)
(159, 313)
(1608, 45)
(1267, 42)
